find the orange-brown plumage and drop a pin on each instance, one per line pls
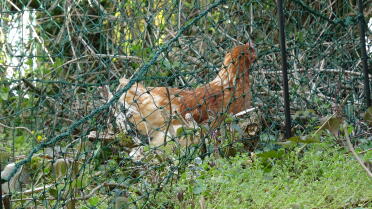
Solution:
(228, 92)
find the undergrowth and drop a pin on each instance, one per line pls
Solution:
(320, 176)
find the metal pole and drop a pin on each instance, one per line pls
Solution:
(1, 188)
(284, 70)
(363, 51)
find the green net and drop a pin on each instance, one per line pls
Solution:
(69, 140)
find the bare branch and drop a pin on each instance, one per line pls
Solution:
(17, 127)
(38, 189)
(134, 58)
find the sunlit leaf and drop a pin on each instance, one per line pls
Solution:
(4, 93)
(229, 119)
(93, 201)
(286, 143)
(61, 167)
(305, 139)
(294, 139)
(19, 140)
(271, 154)
(185, 132)
(332, 124)
(53, 192)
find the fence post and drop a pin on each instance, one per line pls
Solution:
(1, 188)
(284, 70)
(363, 51)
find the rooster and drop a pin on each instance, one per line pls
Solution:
(157, 112)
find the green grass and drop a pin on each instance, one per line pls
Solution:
(323, 176)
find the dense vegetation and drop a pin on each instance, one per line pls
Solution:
(321, 176)
(49, 80)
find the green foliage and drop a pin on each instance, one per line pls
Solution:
(323, 177)
(81, 45)
(4, 93)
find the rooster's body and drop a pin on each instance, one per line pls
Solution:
(160, 111)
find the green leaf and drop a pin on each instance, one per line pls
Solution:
(93, 201)
(198, 189)
(19, 140)
(350, 129)
(229, 119)
(368, 116)
(97, 151)
(271, 154)
(167, 64)
(296, 139)
(286, 143)
(237, 128)
(121, 202)
(4, 93)
(308, 139)
(185, 132)
(4, 156)
(29, 62)
(332, 124)
(61, 167)
(79, 183)
(311, 139)
(53, 192)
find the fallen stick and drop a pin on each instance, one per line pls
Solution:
(244, 112)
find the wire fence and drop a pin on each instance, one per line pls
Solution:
(105, 104)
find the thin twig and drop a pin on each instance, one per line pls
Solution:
(94, 54)
(134, 58)
(31, 86)
(36, 190)
(94, 190)
(139, 59)
(17, 127)
(179, 13)
(252, 18)
(41, 41)
(84, 197)
(67, 23)
(318, 70)
(228, 36)
(30, 199)
(170, 116)
(15, 6)
(360, 161)
(365, 151)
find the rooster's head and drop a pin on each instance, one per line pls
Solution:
(240, 58)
